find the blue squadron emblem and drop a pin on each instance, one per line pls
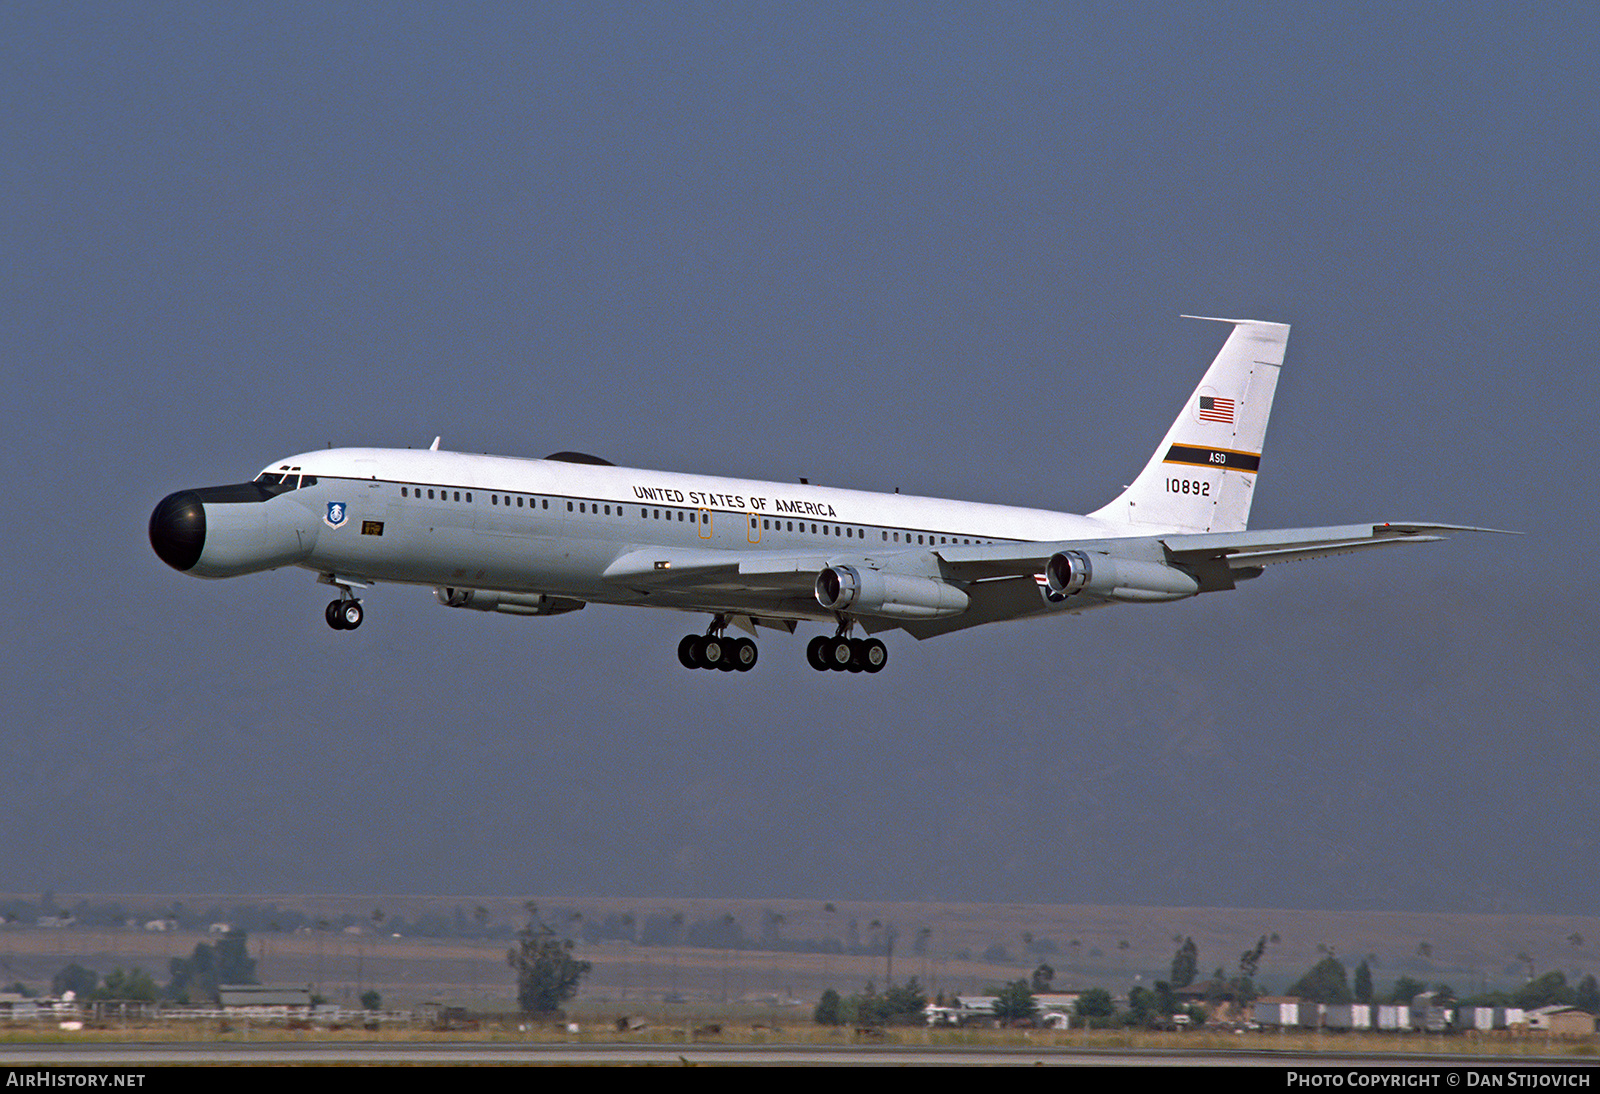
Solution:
(337, 512)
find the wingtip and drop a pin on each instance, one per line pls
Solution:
(1408, 528)
(1235, 322)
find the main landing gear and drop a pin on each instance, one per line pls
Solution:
(841, 653)
(714, 650)
(344, 615)
(847, 654)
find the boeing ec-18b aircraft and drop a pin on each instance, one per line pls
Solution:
(544, 537)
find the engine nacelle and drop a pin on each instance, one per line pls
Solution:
(894, 596)
(494, 600)
(1072, 572)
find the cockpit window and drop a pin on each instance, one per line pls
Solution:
(277, 482)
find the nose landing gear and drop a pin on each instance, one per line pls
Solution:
(344, 615)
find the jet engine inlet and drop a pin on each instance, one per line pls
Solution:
(862, 591)
(1126, 579)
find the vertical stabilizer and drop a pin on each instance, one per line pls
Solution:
(1203, 476)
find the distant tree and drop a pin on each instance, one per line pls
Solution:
(1014, 1004)
(1143, 1012)
(371, 1000)
(74, 978)
(828, 1012)
(1406, 989)
(772, 929)
(1326, 982)
(196, 977)
(1185, 964)
(1042, 976)
(997, 954)
(904, 1003)
(137, 986)
(1551, 989)
(901, 1005)
(1219, 988)
(1094, 1007)
(1363, 984)
(193, 979)
(234, 963)
(1250, 960)
(547, 972)
(1587, 996)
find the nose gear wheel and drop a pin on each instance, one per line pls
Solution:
(344, 615)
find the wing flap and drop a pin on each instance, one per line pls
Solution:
(1250, 560)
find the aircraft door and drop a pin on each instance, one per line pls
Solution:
(753, 528)
(705, 523)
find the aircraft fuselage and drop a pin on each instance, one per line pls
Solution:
(553, 527)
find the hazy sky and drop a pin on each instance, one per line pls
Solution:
(936, 247)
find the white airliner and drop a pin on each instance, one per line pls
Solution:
(543, 537)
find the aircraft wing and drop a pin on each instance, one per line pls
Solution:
(650, 568)
(1001, 578)
(1238, 551)
(1249, 550)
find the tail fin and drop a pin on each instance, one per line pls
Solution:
(1203, 476)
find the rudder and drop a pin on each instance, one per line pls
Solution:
(1202, 478)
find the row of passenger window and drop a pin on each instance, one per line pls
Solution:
(444, 495)
(693, 517)
(924, 538)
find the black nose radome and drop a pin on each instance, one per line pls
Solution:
(178, 529)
